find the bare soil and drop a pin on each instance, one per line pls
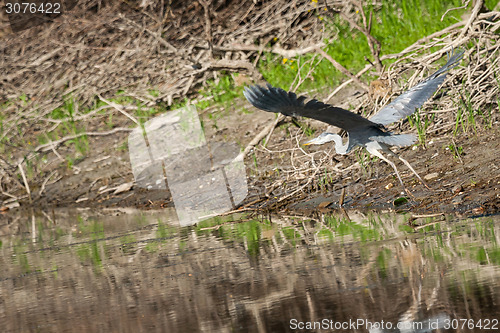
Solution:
(468, 184)
(101, 48)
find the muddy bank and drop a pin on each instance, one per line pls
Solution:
(467, 183)
(66, 116)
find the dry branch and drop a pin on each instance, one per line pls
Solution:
(473, 17)
(373, 43)
(275, 49)
(119, 108)
(479, 72)
(53, 144)
(343, 69)
(451, 9)
(85, 55)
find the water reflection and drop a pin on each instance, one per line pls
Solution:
(134, 271)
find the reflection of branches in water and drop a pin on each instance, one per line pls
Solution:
(154, 271)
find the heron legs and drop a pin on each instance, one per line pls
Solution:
(376, 152)
(412, 170)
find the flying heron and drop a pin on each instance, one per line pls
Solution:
(369, 133)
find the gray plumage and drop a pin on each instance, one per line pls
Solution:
(412, 99)
(277, 100)
(369, 133)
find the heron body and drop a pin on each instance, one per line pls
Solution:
(369, 133)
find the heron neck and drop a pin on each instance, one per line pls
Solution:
(340, 148)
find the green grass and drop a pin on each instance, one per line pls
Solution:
(468, 119)
(457, 151)
(396, 25)
(421, 123)
(69, 126)
(491, 4)
(364, 159)
(223, 90)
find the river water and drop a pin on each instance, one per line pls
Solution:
(133, 271)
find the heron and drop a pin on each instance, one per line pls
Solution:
(370, 133)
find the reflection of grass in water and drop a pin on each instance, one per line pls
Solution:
(382, 262)
(478, 251)
(152, 247)
(91, 252)
(141, 220)
(163, 233)
(436, 251)
(90, 227)
(164, 230)
(470, 284)
(343, 227)
(481, 247)
(326, 234)
(473, 242)
(128, 244)
(182, 246)
(21, 257)
(487, 230)
(255, 236)
(291, 235)
(249, 231)
(53, 235)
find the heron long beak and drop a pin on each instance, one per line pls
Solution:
(310, 142)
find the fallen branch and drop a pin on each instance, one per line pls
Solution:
(456, 8)
(423, 40)
(268, 129)
(275, 49)
(54, 144)
(119, 108)
(232, 65)
(344, 84)
(208, 24)
(276, 121)
(472, 18)
(25, 180)
(42, 188)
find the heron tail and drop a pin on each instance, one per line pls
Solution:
(399, 140)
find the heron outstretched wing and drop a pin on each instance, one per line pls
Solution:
(410, 100)
(277, 100)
